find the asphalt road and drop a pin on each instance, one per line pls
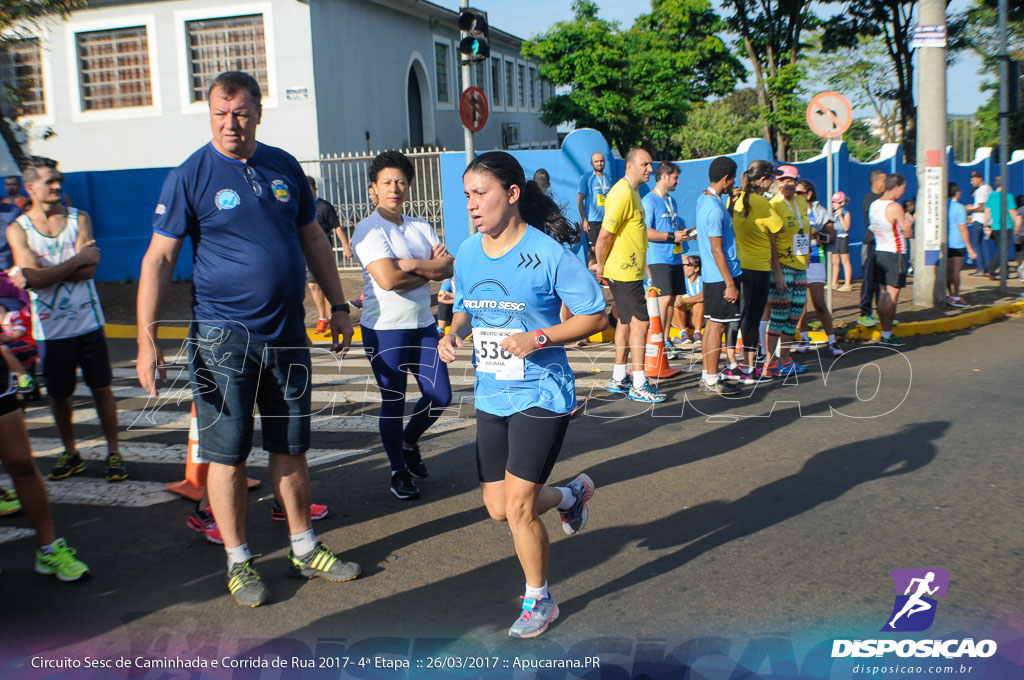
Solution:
(778, 515)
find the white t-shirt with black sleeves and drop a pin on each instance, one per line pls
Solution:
(376, 238)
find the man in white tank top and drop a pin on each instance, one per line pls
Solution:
(891, 227)
(54, 247)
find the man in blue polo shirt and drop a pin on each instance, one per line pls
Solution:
(665, 235)
(250, 214)
(594, 187)
(721, 268)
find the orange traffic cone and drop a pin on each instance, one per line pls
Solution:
(196, 469)
(655, 362)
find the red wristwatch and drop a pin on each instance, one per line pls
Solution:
(542, 340)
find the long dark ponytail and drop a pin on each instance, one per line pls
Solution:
(756, 171)
(535, 207)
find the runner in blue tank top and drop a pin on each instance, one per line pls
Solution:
(510, 281)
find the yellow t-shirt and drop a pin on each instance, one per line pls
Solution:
(752, 231)
(794, 241)
(624, 216)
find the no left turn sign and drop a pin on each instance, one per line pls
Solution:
(829, 114)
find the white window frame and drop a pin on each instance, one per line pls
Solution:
(501, 80)
(188, 107)
(72, 28)
(45, 39)
(453, 82)
(513, 104)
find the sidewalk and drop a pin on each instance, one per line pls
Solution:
(119, 306)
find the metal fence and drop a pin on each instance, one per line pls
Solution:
(343, 180)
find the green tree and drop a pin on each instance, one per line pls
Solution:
(983, 32)
(717, 127)
(636, 87)
(17, 18)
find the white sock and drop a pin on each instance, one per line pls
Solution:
(886, 334)
(639, 379)
(323, 319)
(709, 378)
(237, 555)
(732, 366)
(831, 338)
(537, 593)
(618, 372)
(762, 332)
(748, 369)
(568, 498)
(303, 544)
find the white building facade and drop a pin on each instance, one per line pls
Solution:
(123, 84)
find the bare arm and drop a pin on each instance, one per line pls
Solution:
(388, 276)
(731, 293)
(603, 247)
(346, 245)
(445, 297)
(316, 250)
(84, 239)
(575, 328)
(43, 277)
(967, 240)
(157, 267)
(437, 268)
(583, 212)
(894, 214)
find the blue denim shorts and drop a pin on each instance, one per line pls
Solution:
(233, 376)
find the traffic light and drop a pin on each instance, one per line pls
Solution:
(473, 24)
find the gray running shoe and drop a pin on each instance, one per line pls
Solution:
(320, 561)
(246, 586)
(575, 518)
(721, 388)
(535, 618)
(646, 394)
(619, 386)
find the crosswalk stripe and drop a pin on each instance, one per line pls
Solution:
(93, 491)
(363, 391)
(166, 420)
(8, 534)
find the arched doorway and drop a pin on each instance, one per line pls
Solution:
(415, 104)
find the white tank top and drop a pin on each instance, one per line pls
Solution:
(887, 234)
(66, 309)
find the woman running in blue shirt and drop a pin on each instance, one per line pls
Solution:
(511, 279)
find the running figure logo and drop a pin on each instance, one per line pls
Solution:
(914, 609)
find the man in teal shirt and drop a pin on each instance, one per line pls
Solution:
(997, 218)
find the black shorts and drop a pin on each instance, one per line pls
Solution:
(629, 300)
(716, 308)
(668, 279)
(525, 444)
(840, 247)
(444, 312)
(956, 252)
(891, 269)
(61, 357)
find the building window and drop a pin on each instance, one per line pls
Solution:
(113, 68)
(496, 81)
(521, 85)
(533, 87)
(510, 77)
(225, 44)
(21, 70)
(478, 76)
(441, 66)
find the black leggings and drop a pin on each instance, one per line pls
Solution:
(753, 297)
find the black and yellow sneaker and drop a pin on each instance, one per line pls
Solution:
(116, 471)
(320, 561)
(246, 586)
(69, 463)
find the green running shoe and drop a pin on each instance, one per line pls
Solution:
(26, 383)
(69, 463)
(246, 586)
(61, 563)
(9, 503)
(116, 471)
(320, 561)
(867, 321)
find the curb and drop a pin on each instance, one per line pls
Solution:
(954, 323)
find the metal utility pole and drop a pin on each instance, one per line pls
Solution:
(1004, 144)
(467, 76)
(930, 228)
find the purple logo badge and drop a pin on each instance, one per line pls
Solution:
(914, 608)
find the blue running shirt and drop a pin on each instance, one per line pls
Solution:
(660, 215)
(957, 216)
(243, 218)
(714, 220)
(523, 290)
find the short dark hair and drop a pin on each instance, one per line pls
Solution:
(665, 168)
(542, 174)
(894, 180)
(695, 259)
(312, 182)
(392, 159)
(631, 155)
(875, 175)
(721, 168)
(952, 188)
(30, 171)
(233, 81)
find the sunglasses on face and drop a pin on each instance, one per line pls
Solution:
(801, 192)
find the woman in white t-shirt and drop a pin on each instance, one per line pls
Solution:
(400, 256)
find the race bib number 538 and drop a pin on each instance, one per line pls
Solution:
(492, 358)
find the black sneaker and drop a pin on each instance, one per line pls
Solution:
(246, 586)
(116, 471)
(721, 388)
(414, 461)
(69, 463)
(403, 487)
(321, 562)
